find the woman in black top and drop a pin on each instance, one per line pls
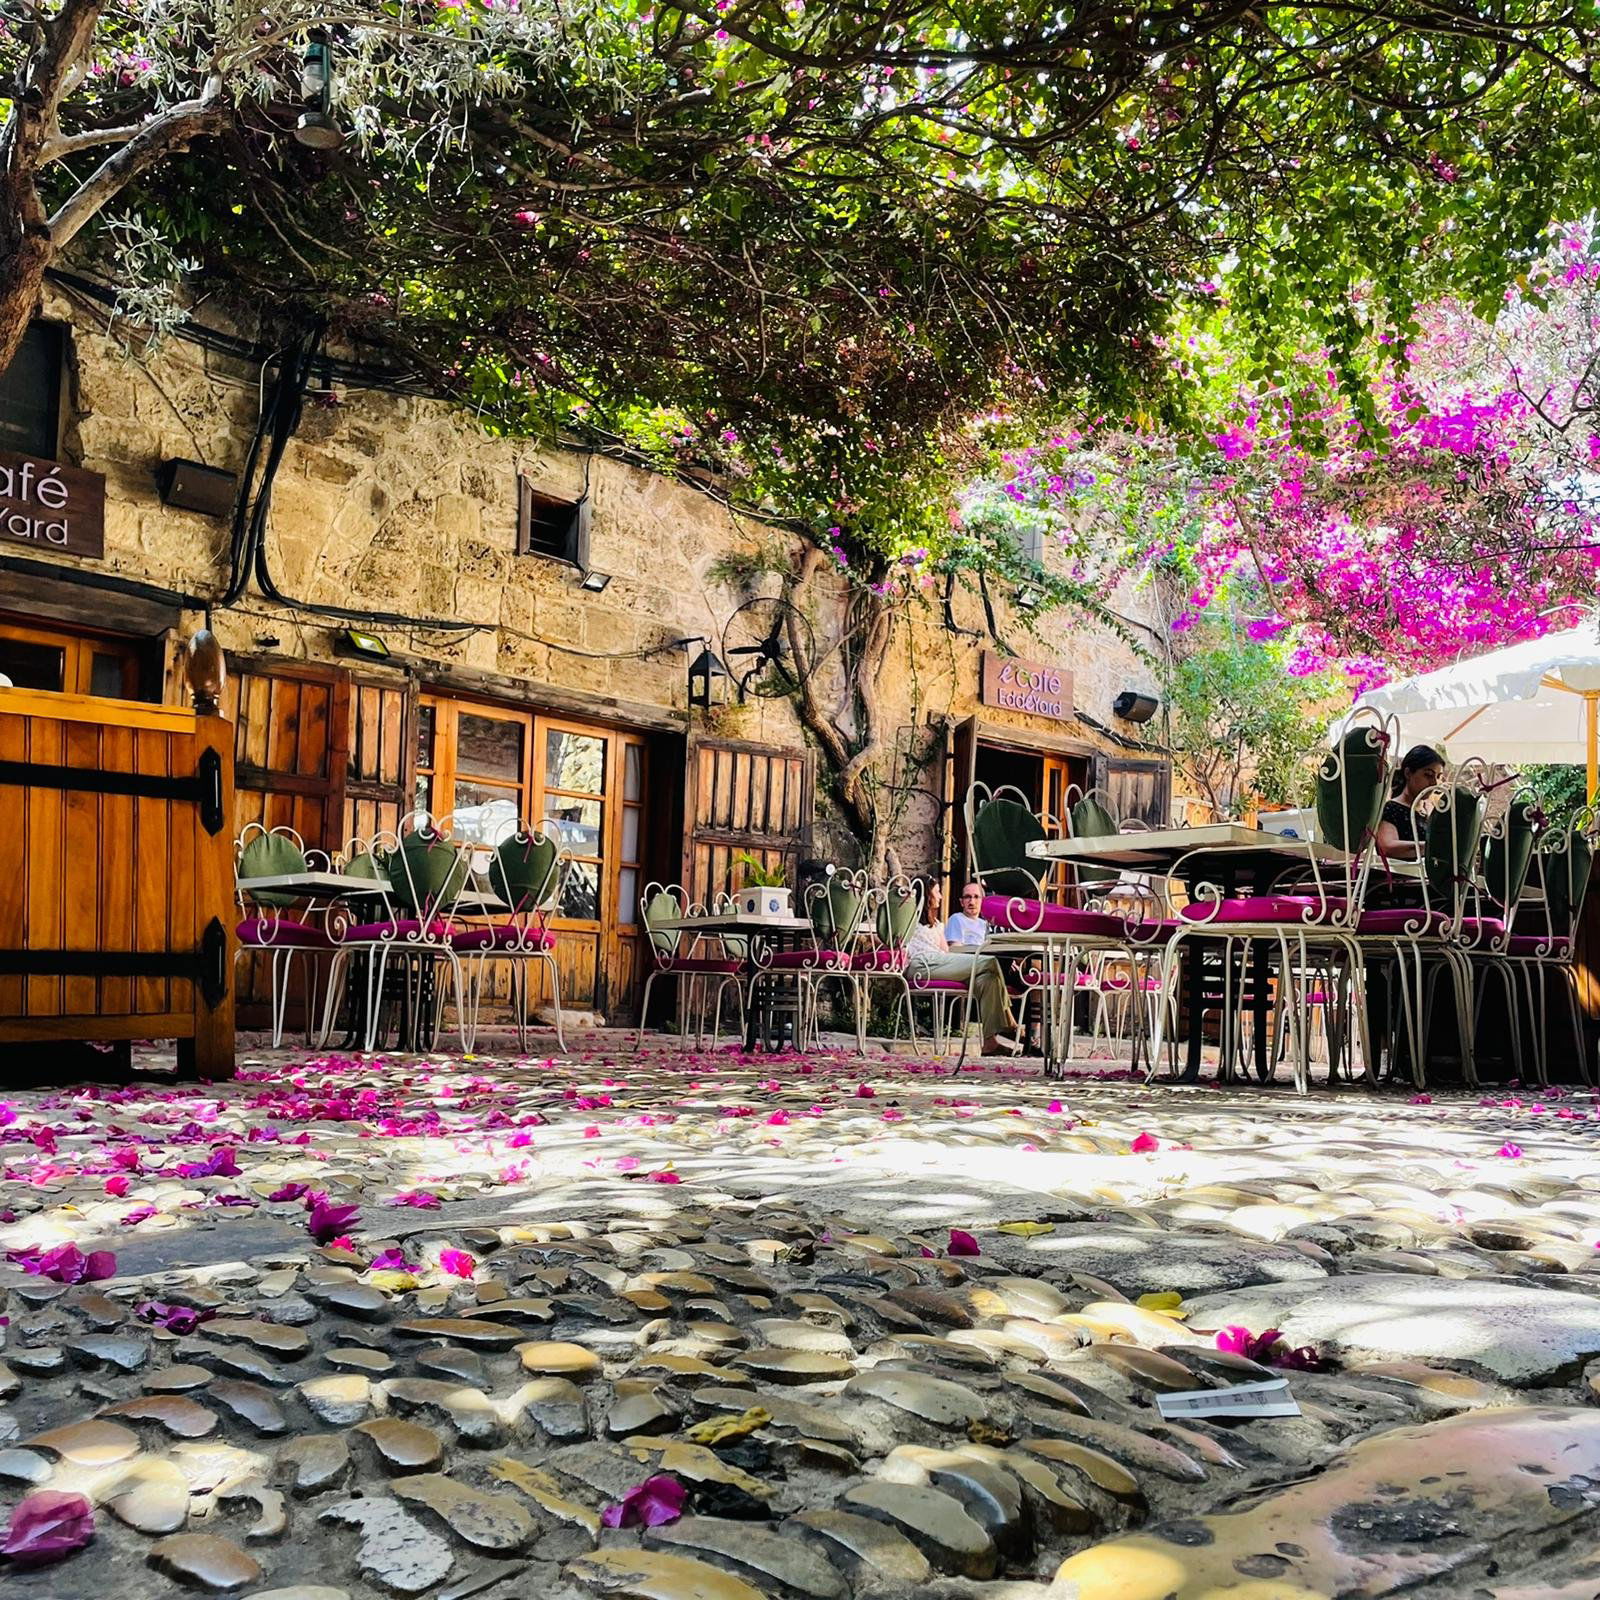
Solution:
(1399, 836)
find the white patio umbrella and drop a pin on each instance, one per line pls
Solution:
(1536, 701)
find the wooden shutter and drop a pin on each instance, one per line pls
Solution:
(290, 733)
(744, 798)
(1140, 791)
(381, 757)
(961, 765)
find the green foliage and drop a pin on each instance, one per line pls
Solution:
(1242, 725)
(1561, 790)
(753, 875)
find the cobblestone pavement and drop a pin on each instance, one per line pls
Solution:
(701, 1327)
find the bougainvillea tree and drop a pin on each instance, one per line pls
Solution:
(1460, 514)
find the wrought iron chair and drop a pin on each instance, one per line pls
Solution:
(526, 872)
(833, 907)
(895, 909)
(262, 852)
(688, 958)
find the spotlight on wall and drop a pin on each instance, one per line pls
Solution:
(1132, 706)
(191, 486)
(595, 582)
(357, 642)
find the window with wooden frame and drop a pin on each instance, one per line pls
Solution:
(71, 663)
(31, 389)
(551, 527)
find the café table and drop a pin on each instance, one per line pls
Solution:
(1238, 860)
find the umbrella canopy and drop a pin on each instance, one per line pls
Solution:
(1535, 701)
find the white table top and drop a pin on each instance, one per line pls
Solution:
(732, 922)
(314, 885)
(1158, 848)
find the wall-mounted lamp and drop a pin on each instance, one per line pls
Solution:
(705, 671)
(356, 642)
(595, 582)
(317, 129)
(1132, 706)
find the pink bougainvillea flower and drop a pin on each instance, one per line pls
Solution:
(175, 1319)
(591, 1132)
(390, 1261)
(137, 1215)
(665, 1177)
(865, 1091)
(1512, 1152)
(118, 1186)
(1420, 1100)
(222, 1163)
(324, 1221)
(457, 1263)
(627, 1163)
(1269, 1349)
(289, 1191)
(1144, 1143)
(649, 1504)
(423, 1199)
(962, 1243)
(47, 1526)
(66, 1263)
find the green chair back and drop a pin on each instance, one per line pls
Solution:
(1001, 834)
(662, 906)
(1090, 820)
(523, 872)
(834, 909)
(1351, 790)
(269, 855)
(897, 915)
(1566, 880)
(1508, 855)
(1451, 847)
(427, 873)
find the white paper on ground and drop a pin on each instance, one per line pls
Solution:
(1269, 1399)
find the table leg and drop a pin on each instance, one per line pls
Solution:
(1194, 985)
(1259, 1007)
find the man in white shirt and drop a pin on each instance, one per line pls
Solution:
(966, 929)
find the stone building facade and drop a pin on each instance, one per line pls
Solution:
(516, 681)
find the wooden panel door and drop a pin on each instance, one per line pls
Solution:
(744, 799)
(1140, 791)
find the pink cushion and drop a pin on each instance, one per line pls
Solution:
(1557, 947)
(878, 961)
(1402, 919)
(394, 928)
(1482, 927)
(281, 933)
(507, 936)
(1153, 932)
(1029, 916)
(697, 964)
(1299, 908)
(805, 960)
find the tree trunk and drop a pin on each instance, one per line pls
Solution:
(25, 252)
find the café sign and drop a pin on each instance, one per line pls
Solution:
(52, 507)
(1030, 686)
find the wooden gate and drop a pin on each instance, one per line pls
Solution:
(744, 798)
(1140, 790)
(116, 874)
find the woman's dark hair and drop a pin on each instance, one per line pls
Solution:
(928, 883)
(1414, 760)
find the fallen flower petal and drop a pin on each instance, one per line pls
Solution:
(176, 1319)
(1512, 1152)
(457, 1263)
(324, 1222)
(962, 1243)
(423, 1199)
(47, 1526)
(1144, 1143)
(657, 1500)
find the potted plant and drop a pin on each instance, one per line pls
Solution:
(764, 892)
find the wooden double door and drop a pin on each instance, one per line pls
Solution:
(489, 766)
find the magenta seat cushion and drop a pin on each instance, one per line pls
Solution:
(281, 933)
(1402, 919)
(713, 965)
(1029, 916)
(1292, 908)
(394, 928)
(506, 936)
(807, 960)
(1482, 927)
(878, 961)
(1557, 947)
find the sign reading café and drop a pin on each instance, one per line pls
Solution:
(52, 507)
(1031, 686)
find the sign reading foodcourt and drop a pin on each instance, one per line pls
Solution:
(52, 507)
(1031, 686)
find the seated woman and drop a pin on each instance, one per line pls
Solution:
(1399, 835)
(931, 957)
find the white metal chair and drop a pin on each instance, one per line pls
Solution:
(698, 961)
(270, 929)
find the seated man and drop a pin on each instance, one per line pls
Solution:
(966, 930)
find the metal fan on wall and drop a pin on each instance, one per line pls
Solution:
(756, 648)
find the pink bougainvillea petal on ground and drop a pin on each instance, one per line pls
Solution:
(457, 1263)
(963, 1244)
(1144, 1142)
(324, 1222)
(47, 1526)
(1512, 1152)
(649, 1504)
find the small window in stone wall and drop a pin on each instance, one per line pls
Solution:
(551, 527)
(30, 392)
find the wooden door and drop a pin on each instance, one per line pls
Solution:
(290, 731)
(961, 768)
(744, 799)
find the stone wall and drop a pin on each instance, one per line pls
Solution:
(402, 504)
